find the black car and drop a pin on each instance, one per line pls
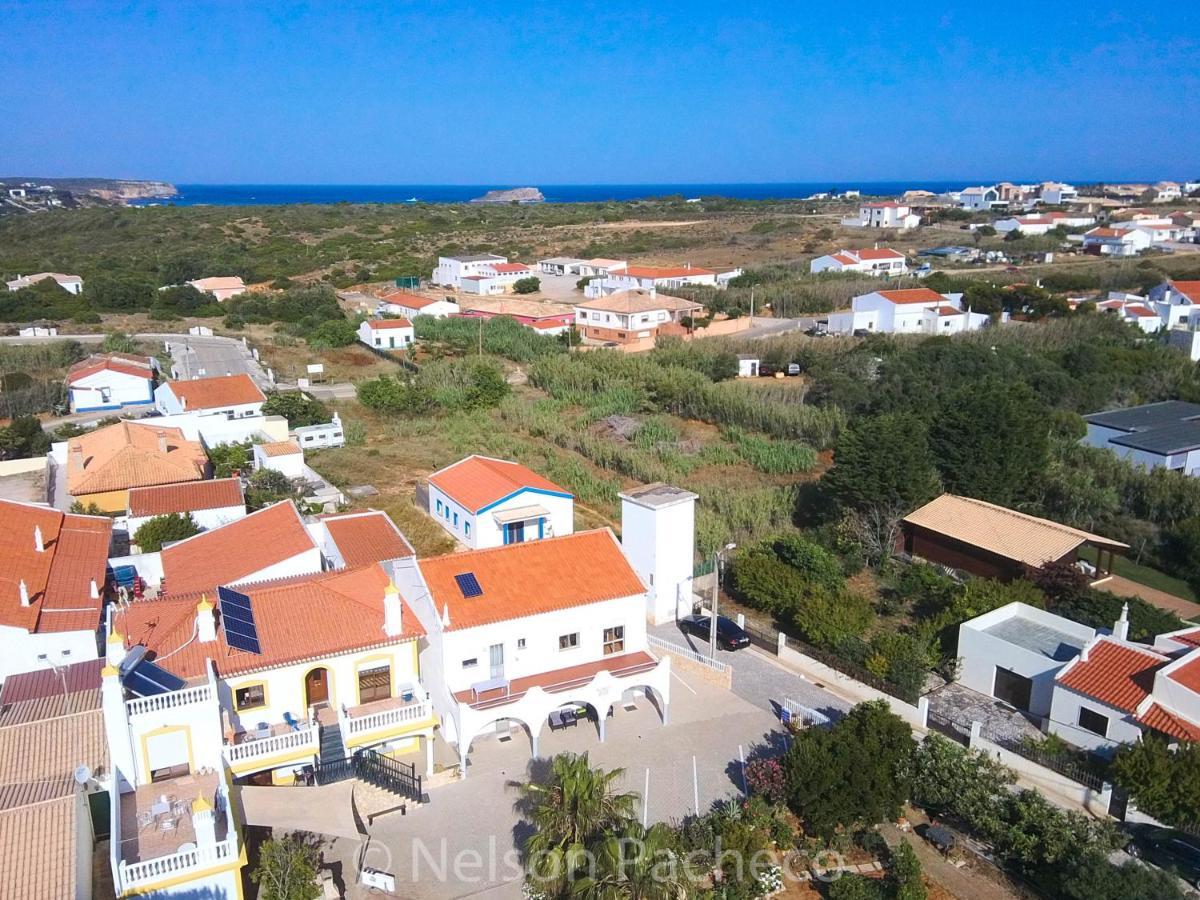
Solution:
(729, 635)
(1176, 851)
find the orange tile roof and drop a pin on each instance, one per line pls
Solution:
(639, 301)
(235, 551)
(218, 283)
(949, 311)
(508, 268)
(377, 324)
(913, 295)
(1107, 232)
(1162, 719)
(112, 362)
(1190, 637)
(659, 272)
(210, 393)
(1189, 289)
(301, 618)
(1140, 311)
(176, 498)
(131, 454)
(534, 577)
(1113, 673)
(878, 253)
(1188, 673)
(57, 579)
(404, 298)
(479, 481)
(367, 537)
(844, 259)
(279, 448)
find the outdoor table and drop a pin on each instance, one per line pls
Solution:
(491, 684)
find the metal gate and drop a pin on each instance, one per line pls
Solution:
(764, 640)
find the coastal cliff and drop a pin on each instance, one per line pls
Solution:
(515, 195)
(25, 193)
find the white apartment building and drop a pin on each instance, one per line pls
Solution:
(911, 311)
(451, 270)
(494, 278)
(870, 261)
(887, 214)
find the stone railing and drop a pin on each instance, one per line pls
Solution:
(185, 696)
(262, 748)
(387, 718)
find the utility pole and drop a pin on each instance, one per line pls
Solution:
(712, 625)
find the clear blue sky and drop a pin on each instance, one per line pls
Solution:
(633, 92)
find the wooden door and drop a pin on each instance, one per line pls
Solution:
(316, 686)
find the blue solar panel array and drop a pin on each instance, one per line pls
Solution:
(468, 584)
(237, 618)
(146, 679)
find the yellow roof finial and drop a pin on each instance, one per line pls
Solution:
(200, 804)
(204, 605)
(115, 637)
(391, 588)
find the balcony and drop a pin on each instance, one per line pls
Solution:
(165, 831)
(272, 746)
(382, 720)
(556, 681)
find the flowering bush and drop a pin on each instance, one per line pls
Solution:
(769, 881)
(765, 777)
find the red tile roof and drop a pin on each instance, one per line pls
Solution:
(1113, 673)
(949, 311)
(1188, 673)
(380, 324)
(1107, 232)
(534, 577)
(506, 268)
(878, 253)
(132, 454)
(660, 272)
(235, 551)
(844, 259)
(279, 448)
(1140, 311)
(1190, 637)
(404, 298)
(57, 579)
(1162, 719)
(367, 537)
(211, 393)
(913, 295)
(176, 498)
(303, 618)
(886, 204)
(479, 481)
(120, 364)
(1189, 289)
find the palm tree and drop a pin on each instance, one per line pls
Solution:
(571, 810)
(635, 864)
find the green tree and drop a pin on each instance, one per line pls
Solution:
(765, 582)
(1180, 551)
(816, 564)
(298, 409)
(852, 774)
(392, 394)
(1093, 877)
(1165, 782)
(950, 780)
(152, 534)
(904, 874)
(990, 440)
(575, 806)
(528, 285)
(827, 619)
(23, 438)
(635, 863)
(287, 869)
(119, 291)
(884, 461)
(333, 333)
(267, 486)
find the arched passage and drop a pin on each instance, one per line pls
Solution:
(465, 740)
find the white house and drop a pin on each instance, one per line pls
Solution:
(519, 634)
(1177, 303)
(1166, 191)
(233, 396)
(210, 503)
(1041, 224)
(282, 456)
(52, 585)
(1154, 435)
(451, 270)
(630, 315)
(1054, 193)
(110, 381)
(222, 287)
(409, 306)
(318, 437)
(485, 502)
(886, 214)
(1142, 317)
(653, 278)
(1104, 241)
(38, 331)
(560, 265)
(870, 261)
(980, 198)
(386, 334)
(1160, 232)
(911, 311)
(72, 284)
(494, 278)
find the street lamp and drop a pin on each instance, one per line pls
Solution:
(712, 625)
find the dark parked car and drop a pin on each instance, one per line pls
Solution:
(1176, 851)
(729, 635)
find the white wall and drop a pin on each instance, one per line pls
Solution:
(110, 390)
(167, 403)
(482, 531)
(384, 338)
(19, 650)
(205, 518)
(1064, 721)
(660, 547)
(291, 465)
(216, 430)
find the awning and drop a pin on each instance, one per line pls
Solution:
(520, 514)
(328, 809)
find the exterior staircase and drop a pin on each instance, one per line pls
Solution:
(333, 748)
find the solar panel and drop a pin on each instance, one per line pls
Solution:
(146, 679)
(237, 618)
(468, 584)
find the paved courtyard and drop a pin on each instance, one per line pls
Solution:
(689, 764)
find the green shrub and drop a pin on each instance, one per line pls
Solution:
(816, 564)
(828, 619)
(151, 535)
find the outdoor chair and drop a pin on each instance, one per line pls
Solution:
(168, 823)
(291, 722)
(145, 820)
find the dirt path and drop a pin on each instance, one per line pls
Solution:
(960, 882)
(1123, 587)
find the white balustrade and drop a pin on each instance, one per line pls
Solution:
(387, 718)
(172, 699)
(305, 738)
(149, 871)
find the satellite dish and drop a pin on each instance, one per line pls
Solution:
(82, 775)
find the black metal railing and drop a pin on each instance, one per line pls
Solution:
(766, 640)
(951, 728)
(1066, 764)
(373, 768)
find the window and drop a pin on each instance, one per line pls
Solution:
(520, 643)
(470, 663)
(439, 507)
(467, 528)
(374, 684)
(1092, 721)
(456, 520)
(568, 641)
(251, 696)
(614, 640)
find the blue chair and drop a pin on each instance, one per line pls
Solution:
(291, 721)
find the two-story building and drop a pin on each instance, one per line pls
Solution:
(909, 311)
(885, 214)
(485, 502)
(451, 270)
(232, 396)
(869, 261)
(494, 278)
(629, 316)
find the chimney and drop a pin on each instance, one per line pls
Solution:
(1121, 626)
(94, 590)
(76, 457)
(24, 593)
(445, 615)
(204, 823)
(162, 442)
(38, 543)
(393, 619)
(114, 649)
(1083, 654)
(206, 623)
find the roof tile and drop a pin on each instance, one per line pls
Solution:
(1113, 673)
(162, 500)
(478, 481)
(212, 393)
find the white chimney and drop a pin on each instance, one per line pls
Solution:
(24, 593)
(445, 615)
(1121, 626)
(162, 442)
(94, 590)
(76, 460)
(38, 543)
(393, 618)
(206, 623)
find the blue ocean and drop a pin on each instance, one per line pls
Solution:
(280, 194)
